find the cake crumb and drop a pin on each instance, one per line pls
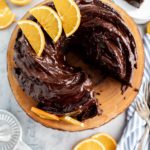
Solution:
(98, 93)
(136, 90)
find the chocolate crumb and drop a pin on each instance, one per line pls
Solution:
(136, 90)
(98, 93)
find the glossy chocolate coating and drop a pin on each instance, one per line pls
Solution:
(102, 40)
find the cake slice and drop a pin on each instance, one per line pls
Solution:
(136, 3)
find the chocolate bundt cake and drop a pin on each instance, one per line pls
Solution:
(136, 3)
(102, 40)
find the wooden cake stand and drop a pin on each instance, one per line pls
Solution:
(111, 100)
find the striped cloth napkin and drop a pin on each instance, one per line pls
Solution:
(136, 126)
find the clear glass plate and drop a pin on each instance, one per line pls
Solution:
(9, 131)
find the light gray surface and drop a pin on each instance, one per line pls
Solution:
(34, 134)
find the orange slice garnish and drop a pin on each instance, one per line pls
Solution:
(34, 35)
(108, 141)
(72, 121)
(69, 14)
(89, 144)
(6, 15)
(44, 115)
(48, 116)
(49, 20)
(148, 28)
(20, 2)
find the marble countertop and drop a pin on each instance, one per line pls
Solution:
(35, 135)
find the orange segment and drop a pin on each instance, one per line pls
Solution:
(89, 144)
(49, 20)
(34, 35)
(6, 15)
(69, 14)
(20, 2)
(148, 28)
(108, 141)
(71, 120)
(44, 114)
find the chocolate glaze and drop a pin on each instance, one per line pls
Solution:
(136, 3)
(102, 39)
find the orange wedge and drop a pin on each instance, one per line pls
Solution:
(148, 28)
(49, 20)
(89, 144)
(69, 14)
(20, 2)
(72, 121)
(34, 35)
(43, 114)
(108, 141)
(6, 15)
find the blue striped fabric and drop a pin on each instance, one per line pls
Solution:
(135, 125)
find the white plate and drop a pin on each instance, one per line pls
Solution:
(140, 21)
(142, 13)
